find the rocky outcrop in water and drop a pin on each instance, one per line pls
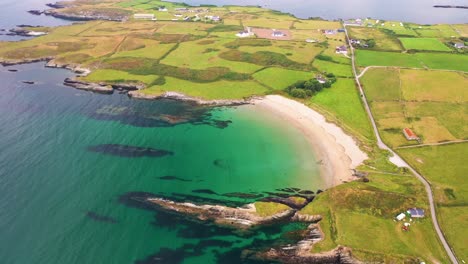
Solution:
(35, 12)
(451, 6)
(88, 86)
(11, 62)
(241, 217)
(300, 254)
(182, 97)
(129, 151)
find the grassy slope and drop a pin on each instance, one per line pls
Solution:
(210, 91)
(341, 70)
(445, 167)
(270, 208)
(342, 102)
(360, 215)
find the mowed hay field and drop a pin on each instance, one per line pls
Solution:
(423, 44)
(360, 215)
(445, 167)
(432, 103)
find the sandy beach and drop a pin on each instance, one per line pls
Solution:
(337, 151)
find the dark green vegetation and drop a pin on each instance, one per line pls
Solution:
(304, 89)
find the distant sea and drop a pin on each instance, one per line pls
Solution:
(416, 11)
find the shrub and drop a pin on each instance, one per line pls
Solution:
(298, 93)
(264, 58)
(324, 57)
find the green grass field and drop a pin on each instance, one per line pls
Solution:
(279, 78)
(119, 76)
(341, 70)
(434, 86)
(360, 215)
(269, 208)
(384, 84)
(375, 58)
(342, 104)
(423, 44)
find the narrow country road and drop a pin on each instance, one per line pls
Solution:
(398, 161)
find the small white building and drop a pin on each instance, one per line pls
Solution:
(277, 34)
(342, 50)
(311, 41)
(144, 16)
(400, 216)
(246, 33)
(459, 45)
(162, 9)
(213, 18)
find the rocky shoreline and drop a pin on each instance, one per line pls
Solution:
(133, 89)
(181, 97)
(450, 6)
(246, 217)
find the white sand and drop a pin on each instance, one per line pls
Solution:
(338, 152)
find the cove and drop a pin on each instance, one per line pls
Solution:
(61, 203)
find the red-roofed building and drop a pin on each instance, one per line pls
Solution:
(409, 134)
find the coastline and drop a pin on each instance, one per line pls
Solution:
(337, 151)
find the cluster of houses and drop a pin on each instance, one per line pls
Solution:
(246, 33)
(353, 22)
(278, 34)
(410, 213)
(358, 43)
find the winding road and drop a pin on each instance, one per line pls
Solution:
(398, 161)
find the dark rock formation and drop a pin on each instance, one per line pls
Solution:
(94, 87)
(182, 97)
(450, 6)
(101, 218)
(290, 255)
(28, 82)
(241, 217)
(35, 12)
(129, 151)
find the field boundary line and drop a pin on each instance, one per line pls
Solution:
(434, 144)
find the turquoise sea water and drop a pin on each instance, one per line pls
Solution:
(64, 188)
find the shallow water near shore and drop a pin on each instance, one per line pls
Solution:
(69, 159)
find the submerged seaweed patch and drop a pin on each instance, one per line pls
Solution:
(173, 178)
(129, 151)
(101, 218)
